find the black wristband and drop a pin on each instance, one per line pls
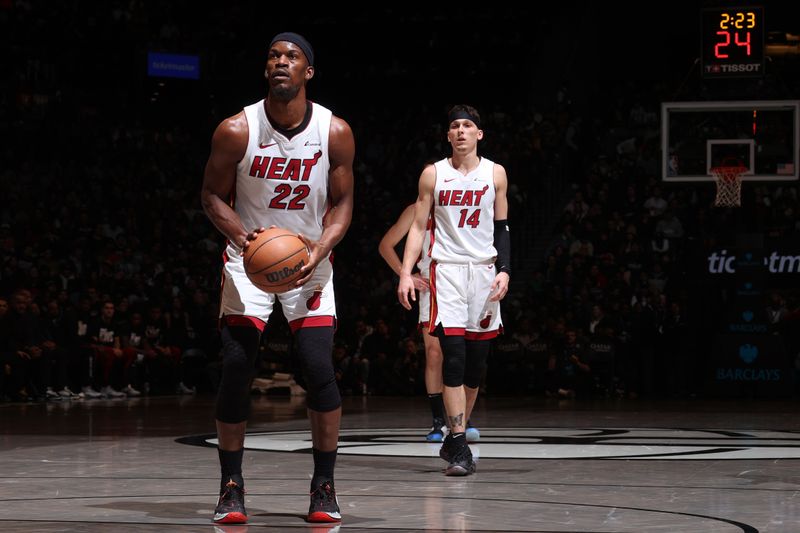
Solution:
(502, 243)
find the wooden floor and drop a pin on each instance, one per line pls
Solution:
(545, 466)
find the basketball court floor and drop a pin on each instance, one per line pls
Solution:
(149, 465)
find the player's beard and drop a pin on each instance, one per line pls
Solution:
(284, 93)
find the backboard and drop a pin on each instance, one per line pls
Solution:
(763, 135)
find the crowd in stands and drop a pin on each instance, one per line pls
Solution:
(109, 270)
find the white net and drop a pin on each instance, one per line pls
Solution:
(729, 185)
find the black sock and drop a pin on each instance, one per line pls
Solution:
(437, 405)
(459, 439)
(324, 462)
(231, 466)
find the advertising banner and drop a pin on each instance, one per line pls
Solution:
(173, 66)
(751, 365)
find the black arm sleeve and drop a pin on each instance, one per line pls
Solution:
(502, 243)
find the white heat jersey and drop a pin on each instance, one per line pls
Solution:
(463, 228)
(283, 181)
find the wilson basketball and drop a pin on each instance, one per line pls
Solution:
(273, 260)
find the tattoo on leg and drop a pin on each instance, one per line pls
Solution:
(457, 420)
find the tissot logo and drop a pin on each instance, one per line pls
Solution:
(735, 67)
(547, 443)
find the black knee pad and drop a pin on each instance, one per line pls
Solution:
(239, 352)
(477, 352)
(454, 356)
(315, 352)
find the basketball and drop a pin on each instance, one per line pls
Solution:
(273, 260)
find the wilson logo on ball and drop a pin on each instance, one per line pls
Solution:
(280, 275)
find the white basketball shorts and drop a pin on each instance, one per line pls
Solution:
(460, 300)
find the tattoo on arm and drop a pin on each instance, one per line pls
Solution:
(457, 420)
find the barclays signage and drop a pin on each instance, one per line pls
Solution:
(751, 364)
(746, 323)
(748, 353)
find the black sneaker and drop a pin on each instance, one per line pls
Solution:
(230, 507)
(472, 433)
(446, 450)
(461, 463)
(438, 429)
(324, 505)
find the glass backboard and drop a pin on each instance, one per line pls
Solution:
(760, 135)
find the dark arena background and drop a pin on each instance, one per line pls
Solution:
(653, 156)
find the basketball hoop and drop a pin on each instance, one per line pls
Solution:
(729, 185)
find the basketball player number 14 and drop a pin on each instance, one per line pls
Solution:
(471, 220)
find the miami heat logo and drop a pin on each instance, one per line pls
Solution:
(312, 304)
(486, 321)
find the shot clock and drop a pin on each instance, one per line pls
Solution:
(732, 42)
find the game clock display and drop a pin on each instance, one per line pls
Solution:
(733, 42)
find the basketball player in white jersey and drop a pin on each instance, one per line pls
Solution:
(465, 195)
(287, 162)
(433, 351)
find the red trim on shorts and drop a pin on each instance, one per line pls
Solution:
(454, 331)
(481, 335)
(313, 322)
(244, 320)
(434, 312)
